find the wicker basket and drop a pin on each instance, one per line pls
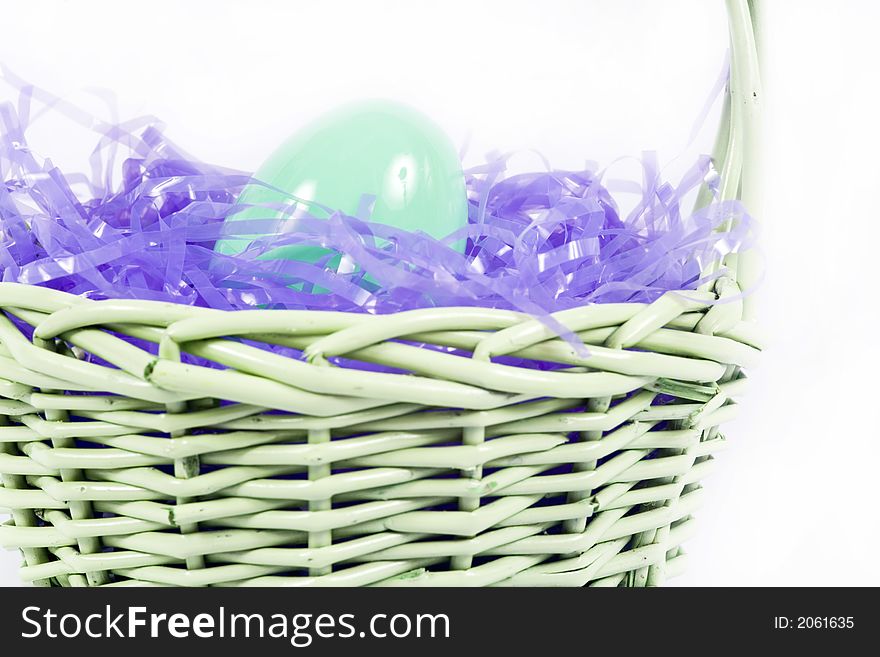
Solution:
(123, 467)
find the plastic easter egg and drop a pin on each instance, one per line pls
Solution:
(378, 148)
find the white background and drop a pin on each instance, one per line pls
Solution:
(792, 501)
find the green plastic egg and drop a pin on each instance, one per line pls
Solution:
(379, 148)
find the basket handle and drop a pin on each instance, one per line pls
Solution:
(737, 145)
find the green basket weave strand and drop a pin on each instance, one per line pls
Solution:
(121, 467)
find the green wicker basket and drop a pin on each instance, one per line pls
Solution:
(458, 472)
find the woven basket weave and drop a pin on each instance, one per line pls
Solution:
(123, 467)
